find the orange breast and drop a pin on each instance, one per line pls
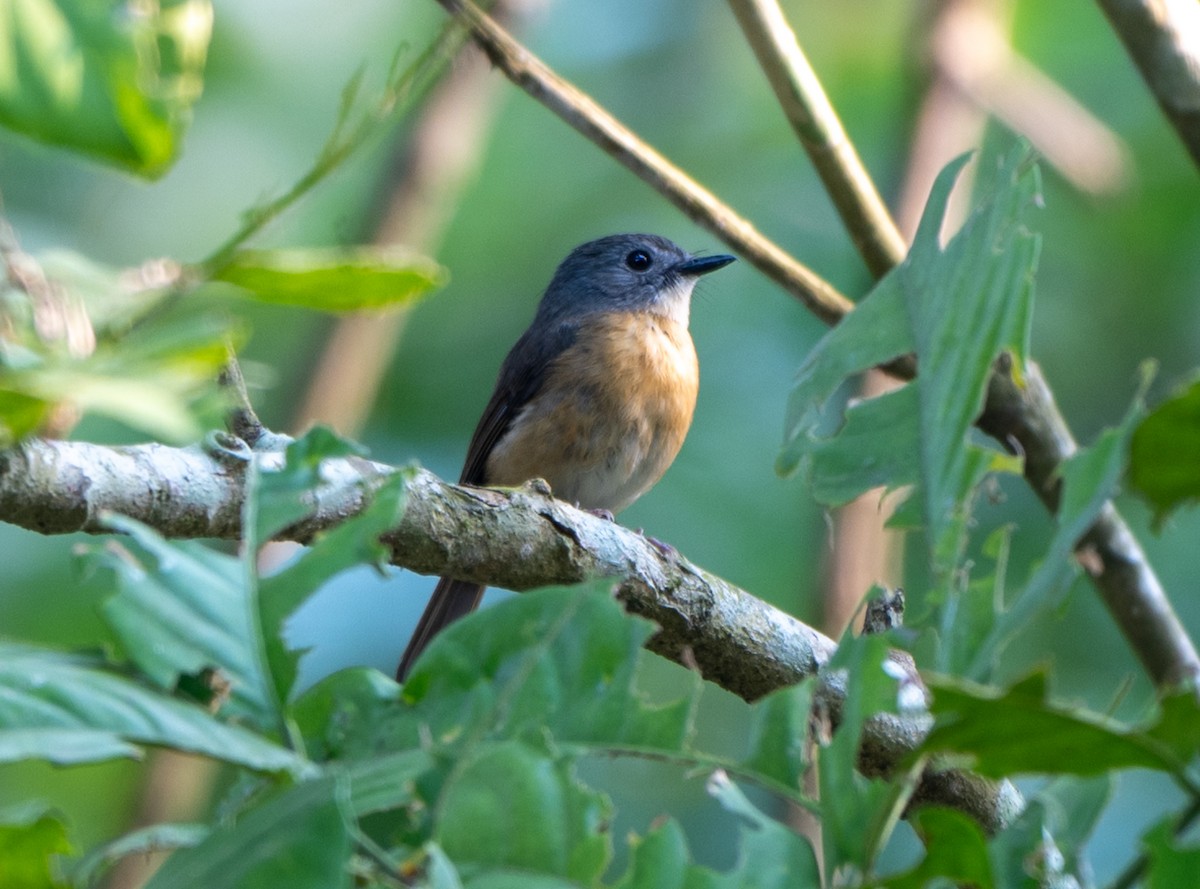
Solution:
(611, 415)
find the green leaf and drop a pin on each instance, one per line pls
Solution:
(299, 839)
(181, 608)
(1089, 478)
(1163, 467)
(1020, 731)
(334, 279)
(771, 855)
(562, 660)
(857, 813)
(507, 804)
(143, 841)
(1171, 865)
(85, 76)
(661, 860)
(957, 309)
(353, 542)
(337, 715)
(160, 377)
(68, 709)
(955, 850)
(778, 733)
(29, 843)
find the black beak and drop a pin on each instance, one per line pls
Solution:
(702, 265)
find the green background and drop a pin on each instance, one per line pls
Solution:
(1117, 284)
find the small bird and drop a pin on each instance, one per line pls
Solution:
(595, 397)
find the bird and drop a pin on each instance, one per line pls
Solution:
(595, 397)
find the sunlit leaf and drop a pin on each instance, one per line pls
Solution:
(97, 78)
(334, 280)
(30, 840)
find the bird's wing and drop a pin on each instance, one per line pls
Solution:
(521, 376)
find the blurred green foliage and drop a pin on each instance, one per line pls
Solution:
(1116, 284)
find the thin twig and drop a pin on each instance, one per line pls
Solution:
(1025, 421)
(697, 202)
(814, 121)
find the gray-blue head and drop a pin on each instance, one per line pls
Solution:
(635, 273)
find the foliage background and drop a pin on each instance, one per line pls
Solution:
(1116, 285)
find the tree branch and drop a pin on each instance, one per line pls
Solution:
(1026, 422)
(516, 538)
(1163, 39)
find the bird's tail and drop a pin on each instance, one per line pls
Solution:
(451, 600)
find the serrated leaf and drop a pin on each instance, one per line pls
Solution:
(1163, 467)
(68, 709)
(181, 608)
(561, 659)
(1020, 731)
(117, 87)
(1089, 478)
(28, 847)
(510, 805)
(957, 309)
(299, 839)
(334, 279)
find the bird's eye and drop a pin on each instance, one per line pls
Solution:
(639, 260)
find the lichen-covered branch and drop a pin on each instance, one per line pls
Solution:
(517, 538)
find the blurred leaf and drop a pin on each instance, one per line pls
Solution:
(29, 843)
(299, 839)
(68, 709)
(334, 279)
(181, 608)
(510, 805)
(661, 860)
(1163, 464)
(955, 850)
(957, 309)
(100, 79)
(386, 781)
(20, 414)
(1020, 731)
(145, 840)
(772, 856)
(1171, 866)
(557, 660)
(154, 378)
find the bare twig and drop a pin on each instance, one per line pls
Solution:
(813, 119)
(698, 203)
(1018, 419)
(517, 538)
(1163, 39)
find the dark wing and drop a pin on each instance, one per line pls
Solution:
(521, 376)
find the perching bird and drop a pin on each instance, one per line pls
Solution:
(595, 397)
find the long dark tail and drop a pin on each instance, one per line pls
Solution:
(451, 600)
